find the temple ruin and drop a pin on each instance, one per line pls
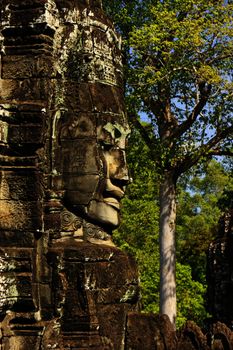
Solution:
(63, 129)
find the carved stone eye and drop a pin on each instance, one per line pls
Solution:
(117, 133)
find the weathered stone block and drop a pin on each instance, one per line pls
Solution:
(108, 274)
(107, 98)
(20, 33)
(17, 253)
(31, 110)
(22, 67)
(22, 185)
(43, 300)
(148, 331)
(81, 272)
(8, 89)
(25, 134)
(86, 186)
(82, 100)
(19, 215)
(52, 222)
(83, 341)
(12, 238)
(24, 15)
(25, 91)
(79, 125)
(192, 338)
(24, 341)
(24, 285)
(15, 260)
(79, 156)
(15, 162)
(14, 4)
(112, 320)
(16, 279)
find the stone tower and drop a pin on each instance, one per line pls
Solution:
(63, 283)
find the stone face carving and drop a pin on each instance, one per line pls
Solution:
(93, 166)
(86, 120)
(62, 175)
(62, 112)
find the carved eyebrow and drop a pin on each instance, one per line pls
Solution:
(110, 127)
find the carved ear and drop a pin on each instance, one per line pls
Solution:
(57, 121)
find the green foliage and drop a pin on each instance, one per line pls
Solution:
(190, 297)
(178, 70)
(225, 202)
(188, 36)
(142, 169)
(190, 293)
(138, 235)
(148, 262)
(198, 213)
(124, 14)
(140, 211)
(214, 178)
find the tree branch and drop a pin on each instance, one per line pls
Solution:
(150, 141)
(161, 108)
(219, 58)
(220, 135)
(206, 150)
(204, 95)
(221, 152)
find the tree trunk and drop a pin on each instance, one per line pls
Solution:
(167, 247)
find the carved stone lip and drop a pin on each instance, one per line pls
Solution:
(112, 197)
(115, 192)
(113, 202)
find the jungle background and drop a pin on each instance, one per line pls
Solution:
(203, 195)
(178, 89)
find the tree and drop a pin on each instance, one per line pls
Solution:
(179, 71)
(138, 232)
(138, 235)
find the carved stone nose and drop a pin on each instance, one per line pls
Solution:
(123, 175)
(118, 169)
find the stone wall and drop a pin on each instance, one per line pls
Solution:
(220, 272)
